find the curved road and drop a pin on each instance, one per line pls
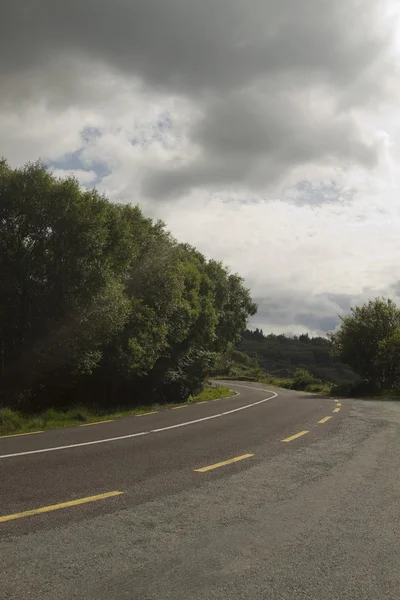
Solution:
(268, 494)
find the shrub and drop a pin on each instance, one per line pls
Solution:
(302, 378)
(79, 413)
(356, 390)
(10, 420)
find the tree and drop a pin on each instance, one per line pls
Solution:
(99, 303)
(368, 341)
(388, 359)
(63, 253)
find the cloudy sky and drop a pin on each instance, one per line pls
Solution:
(265, 132)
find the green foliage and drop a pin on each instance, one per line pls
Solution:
(100, 304)
(301, 379)
(10, 420)
(62, 255)
(369, 341)
(280, 356)
(14, 422)
(212, 393)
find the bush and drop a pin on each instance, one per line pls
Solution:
(211, 393)
(302, 378)
(356, 390)
(79, 413)
(10, 420)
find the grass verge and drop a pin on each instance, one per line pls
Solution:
(308, 384)
(15, 422)
(317, 387)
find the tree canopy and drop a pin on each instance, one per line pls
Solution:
(369, 341)
(98, 302)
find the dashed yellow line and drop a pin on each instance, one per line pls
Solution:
(223, 463)
(294, 437)
(336, 410)
(177, 407)
(96, 423)
(45, 509)
(202, 402)
(19, 434)
(324, 420)
(153, 412)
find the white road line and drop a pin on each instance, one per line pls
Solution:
(142, 433)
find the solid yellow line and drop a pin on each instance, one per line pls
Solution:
(44, 509)
(96, 423)
(153, 412)
(223, 463)
(336, 410)
(19, 434)
(324, 420)
(294, 437)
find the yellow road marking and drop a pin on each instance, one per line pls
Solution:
(294, 437)
(96, 423)
(18, 434)
(336, 410)
(223, 463)
(177, 407)
(153, 412)
(338, 404)
(202, 402)
(324, 420)
(45, 509)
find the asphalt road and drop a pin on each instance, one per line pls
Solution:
(256, 496)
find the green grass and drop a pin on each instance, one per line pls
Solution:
(15, 422)
(314, 387)
(323, 387)
(211, 393)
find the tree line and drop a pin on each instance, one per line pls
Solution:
(362, 357)
(99, 304)
(282, 355)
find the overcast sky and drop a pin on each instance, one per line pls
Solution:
(265, 132)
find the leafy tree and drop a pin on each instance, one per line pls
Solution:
(301, 379)
(305, 338)
(62, 254)
(368, 340)
(99, 303)
(388, 359)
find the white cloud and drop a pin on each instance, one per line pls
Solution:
(266, 135)
(85, 178)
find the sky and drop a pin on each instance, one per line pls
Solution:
(266, 132)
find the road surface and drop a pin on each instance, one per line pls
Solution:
(270, 494)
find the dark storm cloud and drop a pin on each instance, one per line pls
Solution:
(252, 140)
(247, 66)
(188, 45)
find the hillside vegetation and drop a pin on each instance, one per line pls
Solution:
(299, 362)
(281, 355)
(362, 358)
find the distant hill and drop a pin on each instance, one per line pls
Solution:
(280, 356)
